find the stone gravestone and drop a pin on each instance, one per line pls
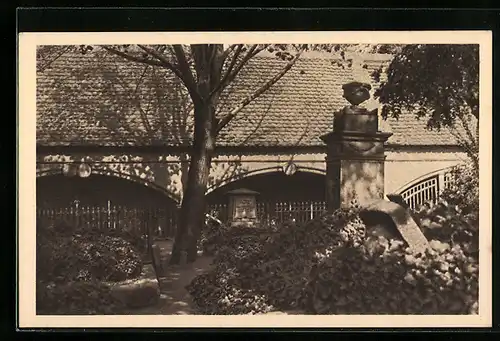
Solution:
(156, 258)
(139, 292)
(243, 207)
(183, 258)
(378, 213)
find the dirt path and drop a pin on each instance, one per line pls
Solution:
(174, 299)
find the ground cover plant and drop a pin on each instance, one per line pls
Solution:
(73, 266)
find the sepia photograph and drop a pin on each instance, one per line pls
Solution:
(256, 177)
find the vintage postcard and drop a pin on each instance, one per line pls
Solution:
(242, 179)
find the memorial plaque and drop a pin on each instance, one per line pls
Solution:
(243, 207)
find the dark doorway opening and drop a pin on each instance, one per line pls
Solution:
(299, 197)
(105, 202)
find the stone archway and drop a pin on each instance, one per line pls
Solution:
(105, 201)
(300, 196)
(113, 174)
(261, 171)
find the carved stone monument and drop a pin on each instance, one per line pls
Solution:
(393, 216)
(355, 152)
(243, 207)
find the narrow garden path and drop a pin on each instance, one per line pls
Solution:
(174, 298)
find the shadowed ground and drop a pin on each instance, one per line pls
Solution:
(174, 299)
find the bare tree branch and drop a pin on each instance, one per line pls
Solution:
(188, 78)
(144, 116)
(259, 123)
(252, 52)
(224, 80)
(228, 51)
(469, 142)
(135, 98)
(466, 125)
(198, 54)
(226, 119)
(166, 63)
(47, 64)
(132, 58)
(213, 55)
(184, 74)
(158, 56)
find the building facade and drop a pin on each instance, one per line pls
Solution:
(131, 125)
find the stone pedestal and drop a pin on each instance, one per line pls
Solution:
(242, 208)
(355, 158)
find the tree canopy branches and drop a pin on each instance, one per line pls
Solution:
(440, 82)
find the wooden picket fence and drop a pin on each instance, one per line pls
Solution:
(162, 221)
(278, 212)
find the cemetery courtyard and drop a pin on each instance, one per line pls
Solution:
(347, 262)
(359, 219)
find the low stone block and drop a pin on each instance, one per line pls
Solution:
(392, 215)
(157, 261)
(137, 293)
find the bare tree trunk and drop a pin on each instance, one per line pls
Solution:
(192, 211)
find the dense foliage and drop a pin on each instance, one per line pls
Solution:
(72, 264)
(439, 82)
(333, 265)
(455, 218)
(76, 298)
(392, 280)
(258, 270)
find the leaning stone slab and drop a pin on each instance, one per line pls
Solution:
(157, 261)
(378, 213)
(137, 293)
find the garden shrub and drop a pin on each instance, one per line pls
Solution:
(74, 262)
(464, 189)
(392, 280)
(87, 256)
(76, 298)
(270, 268)
(330, 266)
(217, 235)
(219, 292)
(455, 218)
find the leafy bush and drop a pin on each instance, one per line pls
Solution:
(455, 218)
(449, 224)
(76, 298)
(216, 235)
(330, 266)
(88, 256)
(218, 293)
(270, 268)
(392, 280)
(463, 190)
(72, 263)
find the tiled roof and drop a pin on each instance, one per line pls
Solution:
(100, 99)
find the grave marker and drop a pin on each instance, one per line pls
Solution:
(243, 207)
(406, 226)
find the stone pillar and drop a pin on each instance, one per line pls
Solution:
(242, 208)
(355, 156)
